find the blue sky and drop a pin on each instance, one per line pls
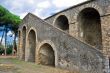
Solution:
(41, 8)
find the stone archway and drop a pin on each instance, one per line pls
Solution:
(62, 23)
(23, 42)
(90, 27)
(31, 45)
(46, 55)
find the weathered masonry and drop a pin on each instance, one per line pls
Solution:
(77, 38)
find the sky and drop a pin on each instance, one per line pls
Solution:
(41, 8)
(10, 38)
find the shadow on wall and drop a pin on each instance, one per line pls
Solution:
(62, 23)
(24, 42)
(90, 27)
(31, 45)
(46, 55)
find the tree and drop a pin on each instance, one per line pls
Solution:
(15, 20)
(10, 22)
(1, 49)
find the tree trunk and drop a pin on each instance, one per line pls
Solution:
(5, 40)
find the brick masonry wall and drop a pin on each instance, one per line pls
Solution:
(102, 6)
(68, 53)
(106, 34)
(72, 14)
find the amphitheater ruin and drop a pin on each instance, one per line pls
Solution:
(77, 38)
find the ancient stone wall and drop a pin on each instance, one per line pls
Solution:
(68, 53)
(103, 8)
(106, 34)
(77, 38)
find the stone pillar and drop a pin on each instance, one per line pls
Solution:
(105, 24)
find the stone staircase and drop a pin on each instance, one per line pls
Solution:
(72, 53)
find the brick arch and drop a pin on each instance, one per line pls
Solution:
(24, 29)
(35, 30)
(24, 25)
(31, 44)
(53, 48)
(95, 6)
(62, 21)
(89, 27)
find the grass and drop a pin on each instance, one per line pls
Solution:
(12, 65)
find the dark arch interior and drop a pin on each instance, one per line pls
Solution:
(24, 42)
(19, 42)
(32, 45)
(46, 55)
(19, 39)
(62, 23)
(90, 27)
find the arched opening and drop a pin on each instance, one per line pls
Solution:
(90, 27)
(19, 39)
(19, 43)
(46, 55)
(23, 42)
(62, 23)
(31, 46)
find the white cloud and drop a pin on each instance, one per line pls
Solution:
(31, 1)
(41, 8)
(37, 12)
(22, 15)
(9, 33)
(57, 10)
(44, 4)
(22, 7)
(16, 5)
(66, 3)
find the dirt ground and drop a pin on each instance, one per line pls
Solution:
(12, 65)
